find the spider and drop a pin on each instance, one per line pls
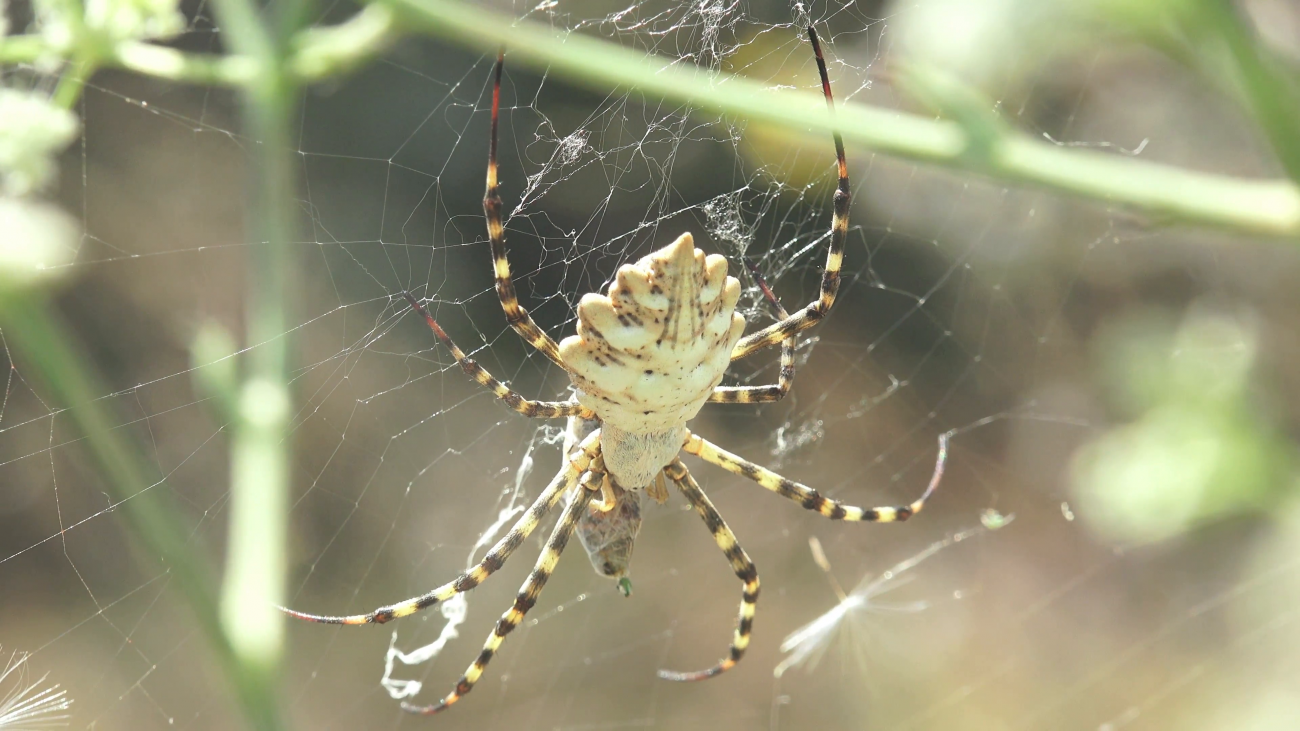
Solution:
(646, 358)
(608, 535)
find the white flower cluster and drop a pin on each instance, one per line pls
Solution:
(32, 132)
(135, 19)
(67, 25)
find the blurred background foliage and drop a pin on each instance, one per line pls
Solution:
(1149, 579)
(1197, 443)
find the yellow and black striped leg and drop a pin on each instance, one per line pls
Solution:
(763, 394)
(812, 314)
(808, 497)
(566, 480)
(537, 409)
(740, 563)
(524, 601)
(516, 315)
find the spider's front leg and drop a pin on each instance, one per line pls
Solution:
(808, 497)
(578, 462)
(740, 563)
(524, 601)
(812, 314)
(537, 409)
(516, 315)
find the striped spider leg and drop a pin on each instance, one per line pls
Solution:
(575, 467)
(785, 379)
(809, 498)
(740, 563)
(516, 315)
(533, 409)
(789, 489)
(581, 477)
(646, 357)
(524, 600)
(810, 315)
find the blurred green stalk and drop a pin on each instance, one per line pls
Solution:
(256, 558)
(1268, 88)
(1266, 207)
(1172, 194)
(42, 340)
(259, 491)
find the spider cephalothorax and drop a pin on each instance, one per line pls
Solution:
(645, 359)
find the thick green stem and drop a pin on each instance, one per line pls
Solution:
(255, 571)
(320, 53)
(260, 449)
(72, 82)
(173, 65)
(317, 53)
(1268, 207)
(1265, 85)
(26, 48)
(42, 341)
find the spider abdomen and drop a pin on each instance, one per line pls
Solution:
(649, 354)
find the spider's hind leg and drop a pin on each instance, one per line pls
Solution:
(524, 601)
(740, 563)
(809, 498)
(580, 458)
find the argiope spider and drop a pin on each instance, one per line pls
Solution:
(646, 358)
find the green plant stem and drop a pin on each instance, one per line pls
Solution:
(42, 340)
(1268, 207)
(320, 53)
(255, 569)
(316, 53)
(1268, 91)
(72, 82)
(259, 493)
(25, 48)
(241, 25)
(170, 64)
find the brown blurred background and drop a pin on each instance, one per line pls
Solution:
(1144, 379)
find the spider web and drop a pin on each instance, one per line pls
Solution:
(965, 305)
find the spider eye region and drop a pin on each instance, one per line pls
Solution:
(649, 353)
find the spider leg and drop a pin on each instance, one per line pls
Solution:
(537, 409)
(808, 497)
(781, 331)
(763, 394)
(516, 315)
(740, 563)
(524, 601)
(567, 478)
